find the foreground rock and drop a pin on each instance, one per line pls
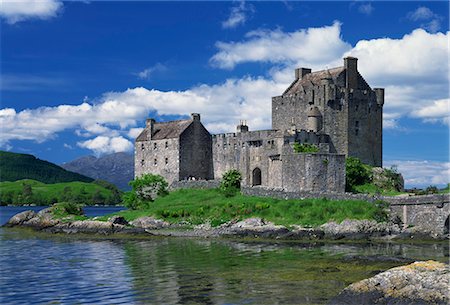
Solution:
(420, 283)
(358, 229)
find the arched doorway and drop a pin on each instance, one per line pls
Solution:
(256, 177)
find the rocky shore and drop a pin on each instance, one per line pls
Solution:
(251, 227)
(420, 283)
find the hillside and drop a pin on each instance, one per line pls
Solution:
(29, 191)
(115, 168)
(14, 166)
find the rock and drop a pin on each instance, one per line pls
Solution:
(91, 226)
(419, 283)
(20, 218)
(358, 229)
(42, 221)
(119, 220)
(147, 222)
(253, 227)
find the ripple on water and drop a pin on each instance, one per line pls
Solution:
(38, 269)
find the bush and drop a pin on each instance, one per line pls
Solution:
(67, 208)
(356, 173)
(145, 189)
(305, 148)
(231, 182)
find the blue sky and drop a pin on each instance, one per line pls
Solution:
(80, 78)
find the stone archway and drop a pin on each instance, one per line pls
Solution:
(256, 177)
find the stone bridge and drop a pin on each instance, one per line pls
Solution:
(430, 212)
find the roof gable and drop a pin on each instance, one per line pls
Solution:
(165, 130)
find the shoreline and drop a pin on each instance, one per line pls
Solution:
(257, 228)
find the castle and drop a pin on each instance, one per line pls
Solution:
(334, 111)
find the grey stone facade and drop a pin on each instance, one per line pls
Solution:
(334, 110)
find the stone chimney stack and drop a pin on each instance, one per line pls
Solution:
(300, 72)
(150, 124)
(351, 67)
(195, 117)
(242, 127)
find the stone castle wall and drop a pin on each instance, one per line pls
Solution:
(158, 157)
(196, 153)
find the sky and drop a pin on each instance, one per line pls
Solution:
(80, 78)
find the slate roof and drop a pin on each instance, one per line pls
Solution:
(165, 130)
(314, 78)
(337, 75)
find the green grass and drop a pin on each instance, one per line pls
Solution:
(201, 206)
(12, 192)
(372, 189)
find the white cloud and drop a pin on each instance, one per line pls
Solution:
(276, 46)
(421, 173)
(106, 145)
(147, 73)
(134, 132)
(432, 21)
(366, 8)
(238, 15)
(439, 109)
(421, 13)
(414, 70)
(68, 146)
(19, 10)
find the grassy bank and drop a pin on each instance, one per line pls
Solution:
(29, 191)
(202, 206)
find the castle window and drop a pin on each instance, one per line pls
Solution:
(356, 124)
(167, 161)
(312, 98)
(155, 162)
(356, 132)
(356, 127)
(142, 146)
(155, 146)
(142, 162)
(356, 107)
(167, 144)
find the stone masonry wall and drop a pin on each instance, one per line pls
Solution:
(314, 172)
(196, 153)
(158, 157)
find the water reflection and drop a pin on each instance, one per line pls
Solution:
(44, 269)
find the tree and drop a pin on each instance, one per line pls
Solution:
(145, 189)
(356, 173)
(231, 182)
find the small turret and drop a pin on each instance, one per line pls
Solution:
(379, 92)
(314, 119)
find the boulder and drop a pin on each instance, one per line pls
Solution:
(148, 222)
(20, 218)
(420, 283)
(119, 220)
(357, 229)
(91, 226)
(253, 227)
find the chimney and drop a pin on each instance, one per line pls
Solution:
(195, 117)
(300, 72)
(351, 67)
(242, 127)
(150, 124)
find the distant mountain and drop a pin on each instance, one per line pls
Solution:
(14, 166)
(117, 168)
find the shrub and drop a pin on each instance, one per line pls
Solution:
(231, 182)
(305, 148)
(145, 189)
(356, 173)
(67, 208)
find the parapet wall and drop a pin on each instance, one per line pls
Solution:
(194, 184)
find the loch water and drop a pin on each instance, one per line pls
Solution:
(39, 268)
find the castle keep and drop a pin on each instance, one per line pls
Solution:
(335, 110)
